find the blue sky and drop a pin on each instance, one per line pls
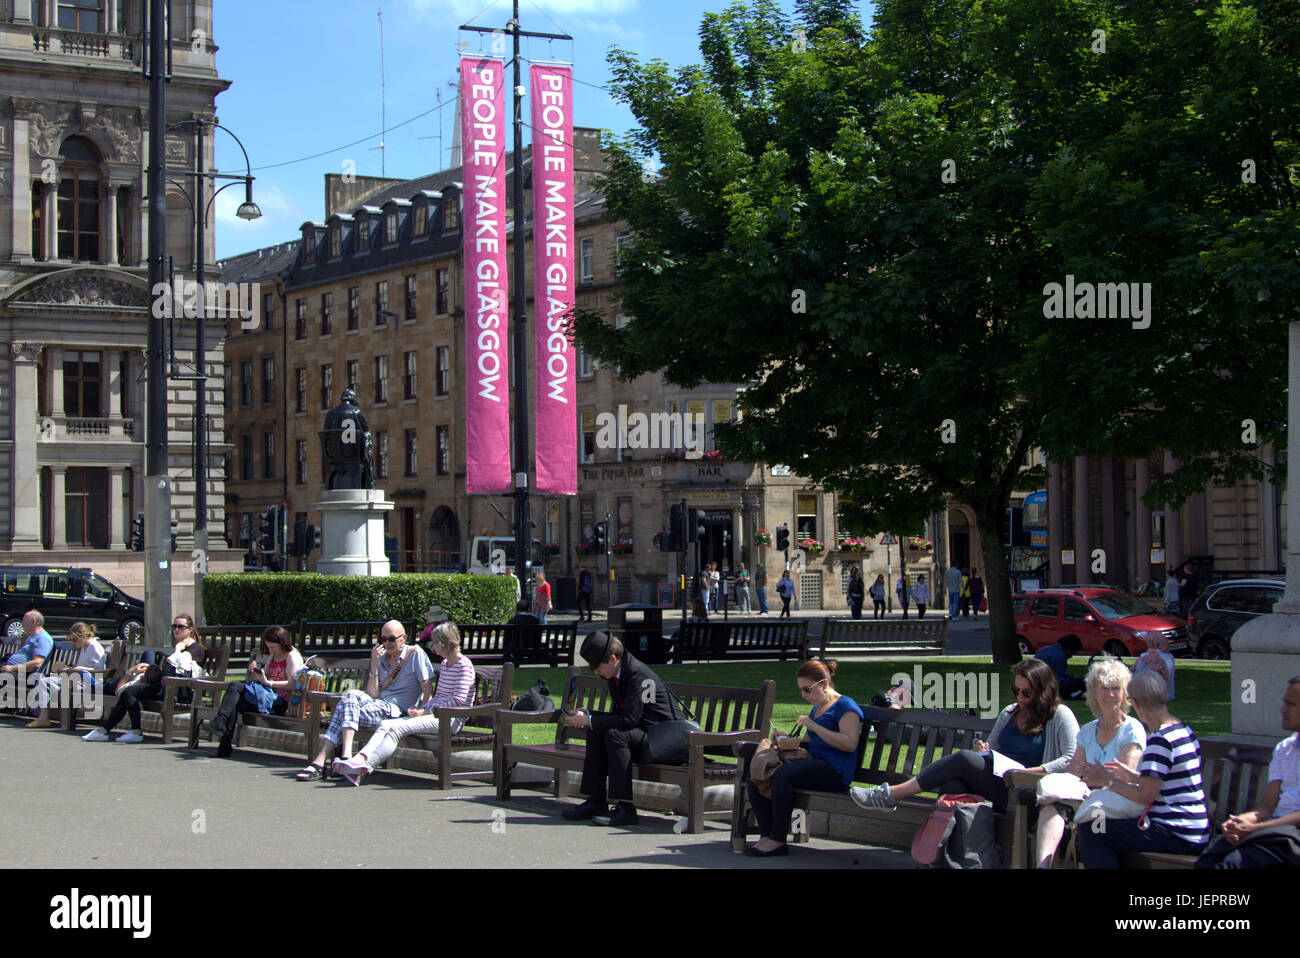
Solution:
(305, 79)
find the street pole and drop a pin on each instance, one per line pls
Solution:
(157, 481)
(200, 385)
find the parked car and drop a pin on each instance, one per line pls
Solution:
(1221, 609)
(65, 596)
(1104, 620)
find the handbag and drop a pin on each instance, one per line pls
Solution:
(959, 833)
(663, 740)
(984, 604)
(1107, 803)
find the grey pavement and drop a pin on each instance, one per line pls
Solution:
(105, 805)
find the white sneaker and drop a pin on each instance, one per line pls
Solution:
(130, 738)
(95, 735)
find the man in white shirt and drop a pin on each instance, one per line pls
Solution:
(952, 581)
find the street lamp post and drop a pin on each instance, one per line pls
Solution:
(248, 210)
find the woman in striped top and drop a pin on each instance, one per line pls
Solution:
(1168, 780)
(455, 689)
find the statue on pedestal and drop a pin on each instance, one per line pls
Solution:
(347, 446)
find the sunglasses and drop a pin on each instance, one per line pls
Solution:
(1024, 693)
(179, 625)
(391, 638)
(805, 689)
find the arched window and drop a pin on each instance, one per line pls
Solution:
(78, 207)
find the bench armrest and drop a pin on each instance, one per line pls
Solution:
(723, 738)
(510, 717)
(317, 697)
(466, 711)
(177, 682)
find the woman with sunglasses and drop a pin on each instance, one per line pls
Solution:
(832, 728)
(267, 689)
(1036, 730)
(143, 682)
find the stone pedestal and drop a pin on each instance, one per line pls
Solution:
(1263, 659)
(352, 532)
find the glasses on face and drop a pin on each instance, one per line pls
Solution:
(1024, 693)
(179, 625)
(805, 689)
(391, 638)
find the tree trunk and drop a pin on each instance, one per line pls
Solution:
(997, 588)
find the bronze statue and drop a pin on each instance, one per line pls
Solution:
(347, 446)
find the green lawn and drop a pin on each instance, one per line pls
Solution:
(1202, 687)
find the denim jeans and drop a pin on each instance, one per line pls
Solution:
(762, 599)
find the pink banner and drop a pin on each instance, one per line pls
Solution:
(487, 393)
(553, 293)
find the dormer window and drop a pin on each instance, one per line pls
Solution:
(363, 236)
(309, 247)
(421, 226)
(390, 228)
(336, 242)
(450, 214)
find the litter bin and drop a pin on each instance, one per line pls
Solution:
(640, 627)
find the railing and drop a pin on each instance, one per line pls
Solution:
(54, 428)
(45, 40)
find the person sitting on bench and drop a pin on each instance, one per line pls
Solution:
(399, 676)
(267, 690)
(1056, 656)
(455, 690)
(1037, 732)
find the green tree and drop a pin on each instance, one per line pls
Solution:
(863, 227)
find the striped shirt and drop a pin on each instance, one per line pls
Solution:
(455, 685)
(1173, 755)
(1285, 768)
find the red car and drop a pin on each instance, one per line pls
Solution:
(1104, 620)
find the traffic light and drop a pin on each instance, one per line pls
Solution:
(175, 527)
(782, 538)
(270, 521)
(298, 544)
(1013, 529)
(137, 533)
(313, 538)
(600, 538)
(695, 526)
(673, 537)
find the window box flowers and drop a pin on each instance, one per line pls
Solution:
(812, 546)
(763, 537)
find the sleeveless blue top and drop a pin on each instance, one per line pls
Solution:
(845, 763)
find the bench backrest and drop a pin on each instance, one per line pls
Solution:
(697, 639)
(717, 708)
(215, 662)
(907, 740)
(332, 638)
(492, 685)
(520, 644)
(1233, 776)
(242, 640)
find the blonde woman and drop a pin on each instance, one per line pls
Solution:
(455, 690)
(81, 674)
(1114, 736)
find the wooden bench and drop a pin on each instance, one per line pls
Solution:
(705, 641)
(123, 658)
(63, 653)
(339, 675)
(904, 742)
(865, 637)
(492, 685)
(341, 639)
(726, 715)
(549, 644)
(242, 640)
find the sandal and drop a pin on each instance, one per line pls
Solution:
(312, 773)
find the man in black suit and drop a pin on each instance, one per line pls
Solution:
(615, 739)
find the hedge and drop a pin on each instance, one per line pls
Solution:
(282, 598)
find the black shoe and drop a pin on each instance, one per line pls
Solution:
(224, 750)
(753, 852)
(587, 809)
(624, 816)
(217, 726)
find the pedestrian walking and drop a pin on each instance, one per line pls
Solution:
(901, 590)
(920, 596)
(760, 587)
(1172, 605)
(785, 589)
(976, 586)
(742, 589)
(965, 596)
(952, 582)
(715, 585)
(586, 586)
(856, 593)
(878, 597)
(1189, 587)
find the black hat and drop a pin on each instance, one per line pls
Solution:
(595, 648)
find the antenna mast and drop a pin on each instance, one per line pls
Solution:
(383, 100)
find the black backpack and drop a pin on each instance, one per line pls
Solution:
(536, 699)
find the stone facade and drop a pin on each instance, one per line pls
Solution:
(74, 300)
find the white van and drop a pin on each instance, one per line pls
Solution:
(492, 555)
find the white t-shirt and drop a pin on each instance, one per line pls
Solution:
(91, 656)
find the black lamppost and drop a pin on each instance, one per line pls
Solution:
(199, 204)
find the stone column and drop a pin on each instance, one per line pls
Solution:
(108, 231)
(110, 16)
(55, 379)
(1266, 650)
(21, 192)
(26, 475)
(1082, 522)
(1109, 544)
(118, 525)
(50, 219)
(1173, 526)
(1142, 522)
(58, 508)
(1055, 520)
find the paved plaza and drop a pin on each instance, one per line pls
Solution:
(97, 803)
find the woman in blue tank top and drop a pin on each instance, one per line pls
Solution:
(831, 736)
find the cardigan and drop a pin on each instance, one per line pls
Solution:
(1059, 734)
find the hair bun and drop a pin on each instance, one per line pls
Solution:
(90, 628)
(831, 666)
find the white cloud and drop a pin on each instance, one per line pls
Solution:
(610, 30)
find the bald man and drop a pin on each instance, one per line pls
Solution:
(400, 676)
(31, 656)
